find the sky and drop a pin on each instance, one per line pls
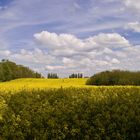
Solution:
(71, 36)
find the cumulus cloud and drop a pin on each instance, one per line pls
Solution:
(112, 40)
(65, 53)
(36, 56)
(102, 51)
(63, 42)
(135, 26)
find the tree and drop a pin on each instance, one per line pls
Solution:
(52, 76)
(75, 75)
(115, 77)
(10, 70)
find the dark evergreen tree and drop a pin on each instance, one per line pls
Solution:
(75, 75)
(52, 76)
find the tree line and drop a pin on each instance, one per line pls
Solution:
(76, 75)
(52, 76)
(10, 70)
(55, 75)
(115, 77)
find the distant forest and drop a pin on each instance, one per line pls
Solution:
(115, 77)
(10, 70)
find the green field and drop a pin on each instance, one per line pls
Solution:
(67, 109)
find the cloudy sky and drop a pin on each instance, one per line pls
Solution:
(67, 36)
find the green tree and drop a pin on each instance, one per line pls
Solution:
(10, 70)
(115, 77)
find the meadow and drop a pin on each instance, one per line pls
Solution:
(57, 109)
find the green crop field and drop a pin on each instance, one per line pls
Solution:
(44, 109)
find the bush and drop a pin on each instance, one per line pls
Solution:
(105, 113)
(115, 77)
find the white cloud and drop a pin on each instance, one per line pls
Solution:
(63, 42)
(5, 53)
(99, 52)
(135, 26)
(65, 53)
(52, 68)
(133, 4)
(54, 41)
(112, 40)
(115, 61)
(33, 57)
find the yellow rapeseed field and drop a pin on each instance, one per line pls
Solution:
(33, 83)
(30, 84)
(27, 108)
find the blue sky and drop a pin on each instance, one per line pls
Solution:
(67, 36)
